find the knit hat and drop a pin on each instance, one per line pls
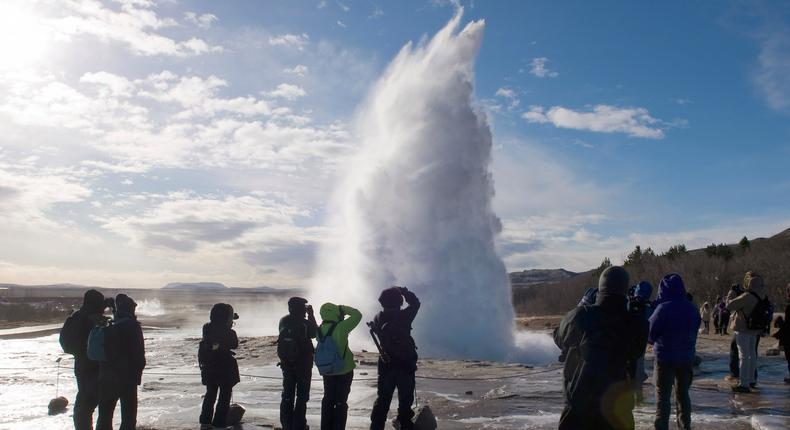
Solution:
(613, 281)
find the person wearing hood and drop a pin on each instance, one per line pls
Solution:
(74, 340)
(397, 363)
(219, 371)
(119, 378)
(603, 342)
(746, 338)
(639, 304)
(673, 333)
(295, 350)
(340, 320)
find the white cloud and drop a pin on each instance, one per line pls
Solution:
(773, 72)
(288, 92)
(344, 7)
(203, 21)
(298, 70)
(510, 95)
(341, 24)
(633, 121)
(538, 68)
(298, 41)
(135, 25)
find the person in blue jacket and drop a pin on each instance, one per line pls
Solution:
(673, 334)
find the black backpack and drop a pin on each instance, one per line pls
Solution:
(208, 354)
(70, 334)
(292, 343)
(762, 314)
(396, 342)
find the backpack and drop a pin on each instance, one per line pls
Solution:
(327, 357)
(104, 342)
(207, 354)
(762, 314)
(291, 343)
(70, 334)
(397, 343)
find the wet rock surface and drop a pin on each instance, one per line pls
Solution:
(461, 394)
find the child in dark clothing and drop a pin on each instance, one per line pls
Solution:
(219, 371)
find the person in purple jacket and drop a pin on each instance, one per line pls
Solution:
(673, 334)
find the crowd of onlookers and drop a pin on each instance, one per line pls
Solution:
(603, 342)
(109, 358)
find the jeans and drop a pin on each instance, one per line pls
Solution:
(87, 399)
(707, 326)
(334, 406)
(207, 414)
(667, 376)
(389, 379)
(747, 355)
(109, 394)
(296, 394)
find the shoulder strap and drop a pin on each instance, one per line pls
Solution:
(332, 326)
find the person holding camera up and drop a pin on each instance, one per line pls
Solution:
(391, 330)
(295, 350)
(335, 362)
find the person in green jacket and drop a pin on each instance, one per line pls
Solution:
(334, 406)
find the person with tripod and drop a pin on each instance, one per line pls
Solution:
(397, 365)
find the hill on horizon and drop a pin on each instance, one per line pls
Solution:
(707, 272)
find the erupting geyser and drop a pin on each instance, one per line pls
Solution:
(415, 207)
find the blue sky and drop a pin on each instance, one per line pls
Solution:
(144, 142)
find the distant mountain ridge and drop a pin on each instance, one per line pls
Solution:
(199, 286)
(539, 276)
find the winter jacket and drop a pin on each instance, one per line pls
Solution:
(603, 342)
(402, 318)
(783, 334)
(743, 305)
(350, 318)
(674, 324)
(704, 313)
(222, 369)
(128, 368)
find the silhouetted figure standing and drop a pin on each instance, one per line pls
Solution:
(603, 342)
(398, 359)
(219, 371)
(74, 341)
(673, 333)
(337, 322)
(295, 350)
(119, 378)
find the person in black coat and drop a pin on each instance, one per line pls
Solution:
(398, 359)
(603, 342)
(119, 377)
(219, 371)
(74, 339)
(295, 350)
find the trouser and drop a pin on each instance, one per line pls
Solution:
(735, 370)
(787, 358)
(747, 356)
(389, 379)
(218, 417)
(725, 322)
(717, 323)
(334, 406)
(667, 376)
(87, 399)
(707, 326)
(296, 394)
(109, 394)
